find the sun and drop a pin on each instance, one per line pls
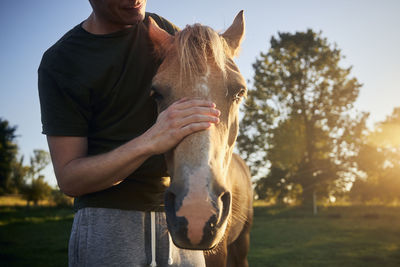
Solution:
(386, 135)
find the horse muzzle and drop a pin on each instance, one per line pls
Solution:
(197, 224)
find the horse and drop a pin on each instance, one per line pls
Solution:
(209, 201)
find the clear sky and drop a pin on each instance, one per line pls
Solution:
(367, 31)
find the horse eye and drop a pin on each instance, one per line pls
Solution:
(155, 94)
(239, 95)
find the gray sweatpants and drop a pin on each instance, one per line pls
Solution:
(112, 237)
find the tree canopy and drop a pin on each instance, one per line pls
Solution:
(8, 153)
(36, 188)
(299, 116)
(378, 161)
(15, 177)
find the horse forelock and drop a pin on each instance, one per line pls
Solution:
(197, 46)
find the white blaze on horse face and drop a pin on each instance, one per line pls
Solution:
(202, 87)
(197, 206)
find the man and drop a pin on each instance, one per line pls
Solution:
(106, 141)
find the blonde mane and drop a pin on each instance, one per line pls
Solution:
(197, 46)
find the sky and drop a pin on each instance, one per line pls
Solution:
(366, 31)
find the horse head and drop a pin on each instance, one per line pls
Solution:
(197, 62)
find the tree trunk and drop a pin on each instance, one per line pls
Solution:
(308, 197)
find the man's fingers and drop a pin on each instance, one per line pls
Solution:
(197, 118)
(199, 110)
(181, 119)
(194, 127)
(190, 111)
(188, 103)
(181, 101)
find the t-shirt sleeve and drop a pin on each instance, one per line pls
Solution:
(65, 106)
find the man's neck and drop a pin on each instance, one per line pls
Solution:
(96, 25)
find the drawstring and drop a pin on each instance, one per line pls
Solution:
(153, 239)
(153, 242)
(170, 261)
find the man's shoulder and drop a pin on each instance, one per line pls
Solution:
(163, 23)
(51, 55)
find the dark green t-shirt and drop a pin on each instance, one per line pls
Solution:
(98, 86)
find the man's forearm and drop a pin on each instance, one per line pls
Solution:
(90, 174)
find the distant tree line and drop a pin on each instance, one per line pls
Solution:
(26, 180)
(301, 135)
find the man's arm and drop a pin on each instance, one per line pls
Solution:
(78, 174)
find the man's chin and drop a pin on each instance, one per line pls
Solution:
(132, 16)
(135, 19)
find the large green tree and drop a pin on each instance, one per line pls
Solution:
(298, 117)
(8, 152)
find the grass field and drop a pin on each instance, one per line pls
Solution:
(337, 236)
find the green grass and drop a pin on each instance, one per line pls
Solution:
(337, 236)
(34, 236)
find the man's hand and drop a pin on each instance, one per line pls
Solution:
(78, 174)
(181, 119)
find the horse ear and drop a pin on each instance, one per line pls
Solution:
(160, 38)
(235, 33)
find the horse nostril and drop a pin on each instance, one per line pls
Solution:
(226, 202)
(226, 199)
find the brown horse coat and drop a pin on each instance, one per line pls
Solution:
(209, 201)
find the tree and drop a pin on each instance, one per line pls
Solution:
(37, 189)
(379, 162)
(19, 174)
(8, 152)
(298, 116)
(60, 199)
